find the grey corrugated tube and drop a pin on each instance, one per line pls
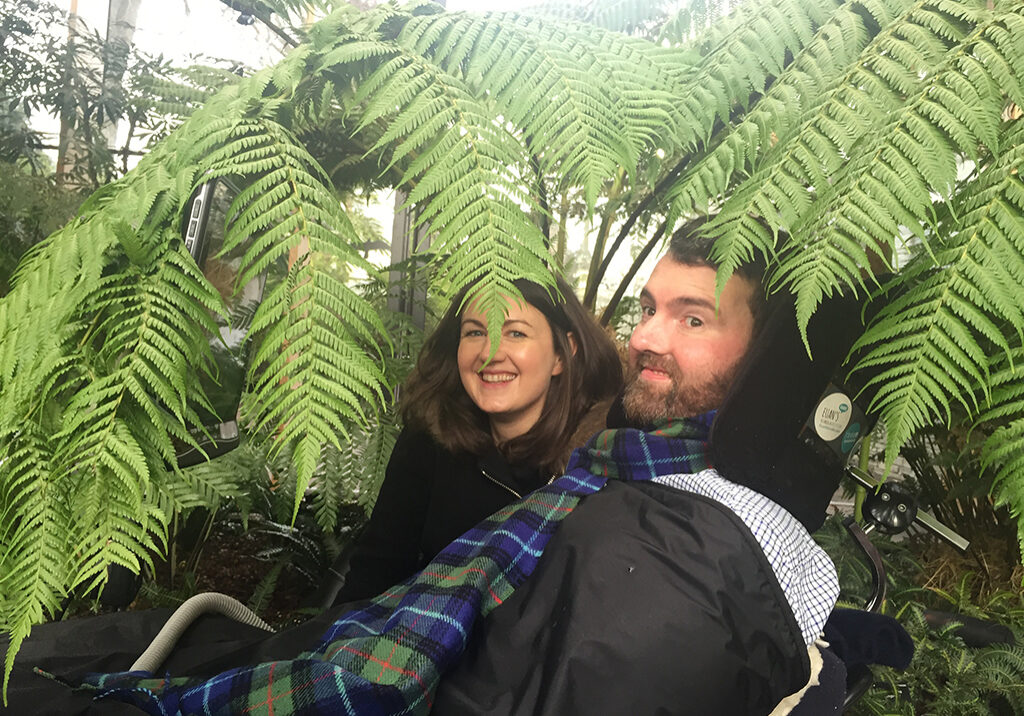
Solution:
(191, 609)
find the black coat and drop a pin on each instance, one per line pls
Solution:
(648, 600)
(429, 497)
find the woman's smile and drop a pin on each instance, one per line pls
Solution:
(511, 385)
(497, 378)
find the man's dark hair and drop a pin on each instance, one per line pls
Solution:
(690, 247)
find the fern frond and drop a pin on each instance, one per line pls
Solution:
(890, 182)
(964, 297)
(353, 473)
(781, 189)
(34, 562)
(581, 123)
(563, 113)
(815, 71)
(898, 158)
(311, 374)
(752, 44)
(625, 16)
(692, 20)
(1003, 667)
(1003, 451)
(458, 176)
(116, 429)
(201, 486)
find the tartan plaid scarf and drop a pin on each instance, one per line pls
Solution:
(388, 657)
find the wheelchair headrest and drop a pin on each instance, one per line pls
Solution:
(790, 420)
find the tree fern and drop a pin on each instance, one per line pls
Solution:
(310, 372)
(815, 71)
(888, 184)
(781, 190)
(841, 123)
(455, 163)
(962, 297)
(751, 45)
(569, 81)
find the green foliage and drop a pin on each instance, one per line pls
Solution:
(31, 208)
(945, 676)
(43, 72)
(825, 133)
(353, 473)
(245, 500)
(947, 465)
(24, 72)
(265, 589)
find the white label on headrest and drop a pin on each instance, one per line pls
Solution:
(832, 416)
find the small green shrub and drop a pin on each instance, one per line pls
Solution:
(946, 677)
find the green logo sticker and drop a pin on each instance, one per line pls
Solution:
(850, 437)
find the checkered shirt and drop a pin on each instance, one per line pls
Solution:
(805, 573)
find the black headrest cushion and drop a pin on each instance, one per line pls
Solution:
(758, 437)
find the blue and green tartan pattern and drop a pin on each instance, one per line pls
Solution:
(388, 657)
(670, 448)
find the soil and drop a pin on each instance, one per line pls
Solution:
(229, 564)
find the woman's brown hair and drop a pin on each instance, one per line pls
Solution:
(434, 399)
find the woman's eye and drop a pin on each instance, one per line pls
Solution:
(517, 334)
(472, 333)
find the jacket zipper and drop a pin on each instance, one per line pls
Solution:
(499, 483)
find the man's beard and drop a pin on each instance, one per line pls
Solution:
(646, 402)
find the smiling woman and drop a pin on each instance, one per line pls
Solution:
(482, 430)
(511, 386)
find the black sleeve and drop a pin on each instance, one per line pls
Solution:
(389, 549)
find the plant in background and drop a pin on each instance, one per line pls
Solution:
(855, 575)
(251, 490)
(819, 130)
(947, 468)
(945, 676)
(43, 72)
(31, 208)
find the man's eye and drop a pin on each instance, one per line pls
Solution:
(693, 322)
(646, 311)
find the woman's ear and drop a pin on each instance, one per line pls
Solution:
(559, 361)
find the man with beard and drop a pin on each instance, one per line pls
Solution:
(672, 590)
(688, 345)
